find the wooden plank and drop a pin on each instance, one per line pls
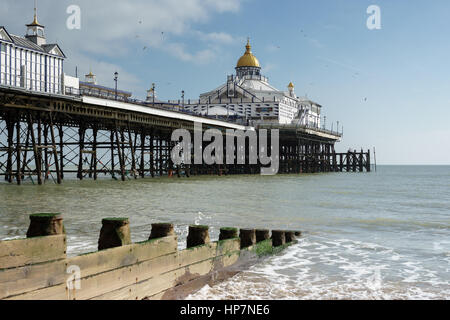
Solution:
(155, 287)
(159, 283)
(97, 283)
(30, 278)
(114, 280)
(21, 252)
(115, 258)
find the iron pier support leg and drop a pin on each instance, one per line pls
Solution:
(61, 150)
(9, 165)
(94, 154)
(46, 164)
(35, 149)
(132, 150)
(152, 156)
(121, 157)
(81, 133)
(142, 164)
(19, 153)
(55, 152)
(113, 174)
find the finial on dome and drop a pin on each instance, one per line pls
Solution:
(248, 46)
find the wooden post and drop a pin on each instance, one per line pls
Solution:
(198, 235)
(262, 234)
(161, 230)
(45, 224)
(289, 236)
(228, 233)
(278, 238)
(115, 232)
(248, 237)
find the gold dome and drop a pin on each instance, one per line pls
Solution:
(248, 59)
(291, 85)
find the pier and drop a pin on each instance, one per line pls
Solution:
(46, 137)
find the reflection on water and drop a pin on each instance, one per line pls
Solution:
(391, 226)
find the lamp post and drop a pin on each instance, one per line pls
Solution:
(153, 91)
(182, 99)
(116, 76)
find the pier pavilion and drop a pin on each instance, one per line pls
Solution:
(249, 95)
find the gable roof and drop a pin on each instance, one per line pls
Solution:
(49, 47)
(5, 34)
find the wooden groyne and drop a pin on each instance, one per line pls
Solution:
(37, 267)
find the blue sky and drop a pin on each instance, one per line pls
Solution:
(389, 88)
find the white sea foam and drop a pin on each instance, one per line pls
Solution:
(341, 269)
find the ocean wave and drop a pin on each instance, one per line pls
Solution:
(338, 269)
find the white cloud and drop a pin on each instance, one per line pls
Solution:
(112, 30)
(104, 72)
(268, 67)
(216, 37)
(107, 28)
(200, 57)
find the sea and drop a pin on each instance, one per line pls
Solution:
(377, 235)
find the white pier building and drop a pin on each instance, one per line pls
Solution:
(249, 95)
(29, 62)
